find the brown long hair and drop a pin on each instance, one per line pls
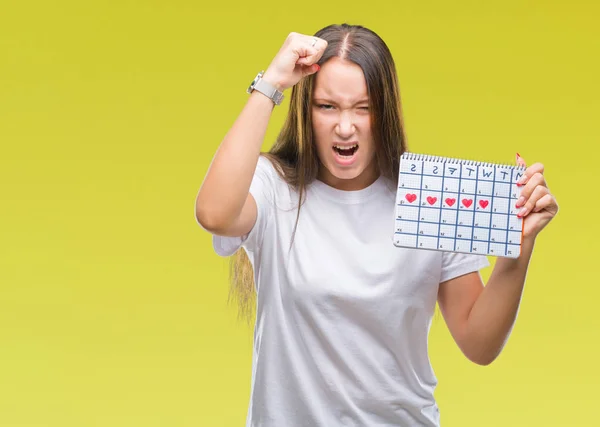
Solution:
(294, 153)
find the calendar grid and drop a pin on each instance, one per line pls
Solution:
(439, 191)
(475, 199)
(441, 197)
(466, 240)
(458, 200)
(508, 219)
(420, 197)
(457, 205)
(437, 223)
(493, 189)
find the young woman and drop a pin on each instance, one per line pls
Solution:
(342, 315)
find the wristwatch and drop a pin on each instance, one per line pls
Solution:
(266, 89)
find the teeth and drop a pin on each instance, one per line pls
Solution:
(341, 147)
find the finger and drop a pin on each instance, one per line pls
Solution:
(307, 70)
(544, 202)
(538, 193)
(316, 44)
(537, 180)
(315, 51)
(521, 161)
(320, 47)
(529, 172)
(306, 55)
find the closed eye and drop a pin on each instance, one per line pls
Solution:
(324, 106)
(328, 107)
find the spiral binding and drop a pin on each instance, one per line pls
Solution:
(453, 160)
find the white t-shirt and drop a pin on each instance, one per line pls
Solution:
(343, 317)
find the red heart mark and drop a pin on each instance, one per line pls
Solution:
(431, 200)
(467, 202)
(483, 203)
(450, 201)
(411, 197)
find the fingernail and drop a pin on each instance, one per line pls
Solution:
(522, 212)
(522, 180)
(318, 67)
(520, 202)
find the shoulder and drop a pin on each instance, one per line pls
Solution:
(265, 163)
(269, 180)
(268, 167)
(272, 173)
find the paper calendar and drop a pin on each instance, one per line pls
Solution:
(458, 205)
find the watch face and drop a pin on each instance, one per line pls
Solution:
(256, 79)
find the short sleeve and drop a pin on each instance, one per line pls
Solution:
(262, 189)
(456, 264)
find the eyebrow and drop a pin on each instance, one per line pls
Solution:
(364, 100)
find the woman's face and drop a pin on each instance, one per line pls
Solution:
(342, 126)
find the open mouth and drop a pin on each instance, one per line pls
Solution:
(345, 151)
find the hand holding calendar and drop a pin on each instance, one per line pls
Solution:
(537, 204)
(469, 206)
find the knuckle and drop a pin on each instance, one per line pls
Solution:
(538, 177)
(542, 201)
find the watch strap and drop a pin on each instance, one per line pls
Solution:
(266, 89)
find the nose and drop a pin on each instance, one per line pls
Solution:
(345, 127)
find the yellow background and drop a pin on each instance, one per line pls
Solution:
(112, 303)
